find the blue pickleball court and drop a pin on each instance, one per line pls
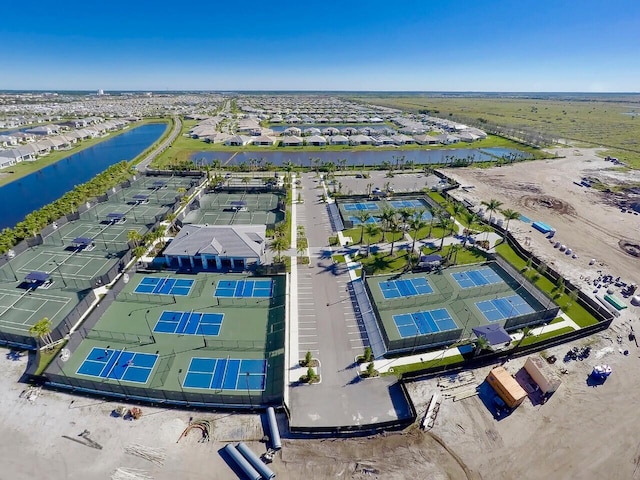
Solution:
(226, 374)
(118, 365)
(189, 323)
(164, 286)
(244, 288)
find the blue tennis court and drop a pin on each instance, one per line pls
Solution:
(164, 286)
(244, 288)
(477, 278)
(350, 207)
(226, 374)
(357, 221)
(405, 288)
(406, 203)
(424, 323)
(118, 365)
(189, 323)
(503, 308)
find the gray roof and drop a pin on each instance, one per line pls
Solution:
(243, 241)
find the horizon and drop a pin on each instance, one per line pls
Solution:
(509, 47)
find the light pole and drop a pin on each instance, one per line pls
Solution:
(146, 319)
(249, 391)
(9, 256)
(60, 272)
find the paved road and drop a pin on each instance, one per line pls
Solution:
(177, 127)
(329, 328)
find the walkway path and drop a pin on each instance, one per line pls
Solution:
(177, 128)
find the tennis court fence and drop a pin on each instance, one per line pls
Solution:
(165, 362)
(243, 302)
(120, 337)
(232, 345)
(145, 298)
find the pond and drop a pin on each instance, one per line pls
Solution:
(364, 158)
(40, 188)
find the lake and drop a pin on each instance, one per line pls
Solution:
(40, 188)
(364, 158)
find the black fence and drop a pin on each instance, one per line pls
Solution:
(214, 399)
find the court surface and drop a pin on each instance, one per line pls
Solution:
(244, 288)
(164, 286)
(118, 365)
(477, 278)
(405, 288)
(189, 323)
(356, 220)
(81, 266)
(351, 207)
(406, 203)
(424, 323)
(19, 310)
(226, 374)
(503, 308)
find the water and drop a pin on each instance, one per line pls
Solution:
(37, 189)
(365, 158)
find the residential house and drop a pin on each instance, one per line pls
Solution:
(293, 131)
(338, 140)
(360, 140)
(8, 141)
(264, 141)
(238, 141)
(292, 141)
(316, 140)
(426, 140)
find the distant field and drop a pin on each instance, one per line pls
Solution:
(594, 123)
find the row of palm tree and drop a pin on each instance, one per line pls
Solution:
(405, 219)
(68, 203)
(141, 243)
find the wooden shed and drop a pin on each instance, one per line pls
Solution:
(507, 387)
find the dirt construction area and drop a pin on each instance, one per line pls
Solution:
(59, 436)
(585, 219)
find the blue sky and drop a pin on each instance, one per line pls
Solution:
(519, 45)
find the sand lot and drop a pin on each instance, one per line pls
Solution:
(544, 191)
(586, 432)
(33, 443)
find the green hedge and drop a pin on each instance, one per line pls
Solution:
(68, 203)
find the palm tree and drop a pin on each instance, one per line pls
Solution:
(447, 227)
(436, 213)
(481, 343)
(42, 330)
(509, 215)
(134, 236)
(393, 227)
(278, 245)
(405, 214)
(386, 217)
(372, 230)
(139, 252)
(526, 332)
(453, 252)
(492, 206)
(471, 219)
(364, 217)
(416, 224)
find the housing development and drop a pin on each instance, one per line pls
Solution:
(308, 285)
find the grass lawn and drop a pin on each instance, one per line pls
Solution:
(438, 362)
(355, 233)
(23, 169)
(464, 256)
(47, 356)
(574, 310)
(339, 259)
(546, 335)
(383, 262)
